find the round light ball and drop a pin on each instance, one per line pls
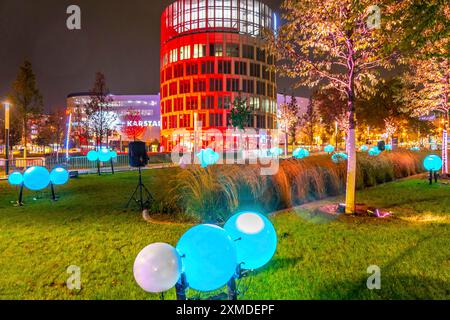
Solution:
(92, 155)
(300, 153)
(364, 148)
(104, 155)
(157, 268)
(388, 147)
(255, 238)
(36, 178)
(329, 148)
(432, 162)
(59, 176)
(339, 157)
(113, 154)
(15, 179)
(209, 257)
(374, 151)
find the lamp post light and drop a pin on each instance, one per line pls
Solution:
(7, 106)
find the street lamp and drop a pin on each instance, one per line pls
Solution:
(7, 106)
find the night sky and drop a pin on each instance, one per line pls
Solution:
(119, 38)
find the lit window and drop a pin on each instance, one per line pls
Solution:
(199, 50)
(185, 52)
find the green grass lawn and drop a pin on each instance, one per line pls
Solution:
(317, 257)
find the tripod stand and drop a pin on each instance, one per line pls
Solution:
(141, 195)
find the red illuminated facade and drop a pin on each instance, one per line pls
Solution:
(212, 51)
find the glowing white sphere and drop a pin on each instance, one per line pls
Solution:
(157, 268)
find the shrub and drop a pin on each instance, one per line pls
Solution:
(214, 193)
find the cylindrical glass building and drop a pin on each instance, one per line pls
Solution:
(212, 51)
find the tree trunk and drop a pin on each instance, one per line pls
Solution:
(445, 146)
(350, 201)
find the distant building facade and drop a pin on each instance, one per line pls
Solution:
(145, 108)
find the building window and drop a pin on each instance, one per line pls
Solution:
(178, 104)
(178, 71)
(173, 89)
(185, 121)
(191, 103)
(260, 54)
(215, 85)
(199, 85)
(255, 70)
(248, 86)
(233, 85)
(169, 74)
(208, 102)
(224, 67)
(232, 50)
(173, 55)
(260, 88)
(215, 119)
(208, 67)
(224, 102)
(185, 52)
(216, 50)
(185, 86)
(191, 69)
(248, 52)
(199, 50)
(240, 68)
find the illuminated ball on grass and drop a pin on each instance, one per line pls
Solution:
(388, 147)
(59, 176)
(208, 256)
(300, 153)
(432, 162)
(255, 238)
(113, 154)
(92, 155)
(364, 148)
(104, 155)
(339, 157)
(374, 151)
(157, 268)
(276, 151)
(36, 178)
(415, 149)
(329, 148)
(15, 179)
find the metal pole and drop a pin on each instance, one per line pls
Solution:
(7, 138)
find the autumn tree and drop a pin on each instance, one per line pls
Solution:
(26, 99)
(425, 44)
(99, 113)
(337, 44)
(331, 106)
(132, 127)
(309, 122)
(288, 119)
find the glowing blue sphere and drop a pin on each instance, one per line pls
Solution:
(415, 149)
(339, 157)
(59, 176)
(113, 154)
(104, 155)
(92, 155)
(255, 238)
(208, 256)
(36, 178)
(388, 147)
(300, 153)
(276, 151)
(364, 148)
(208, 157)
(15, 179)
(432, 162)
(329, 148)
(374, 151)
